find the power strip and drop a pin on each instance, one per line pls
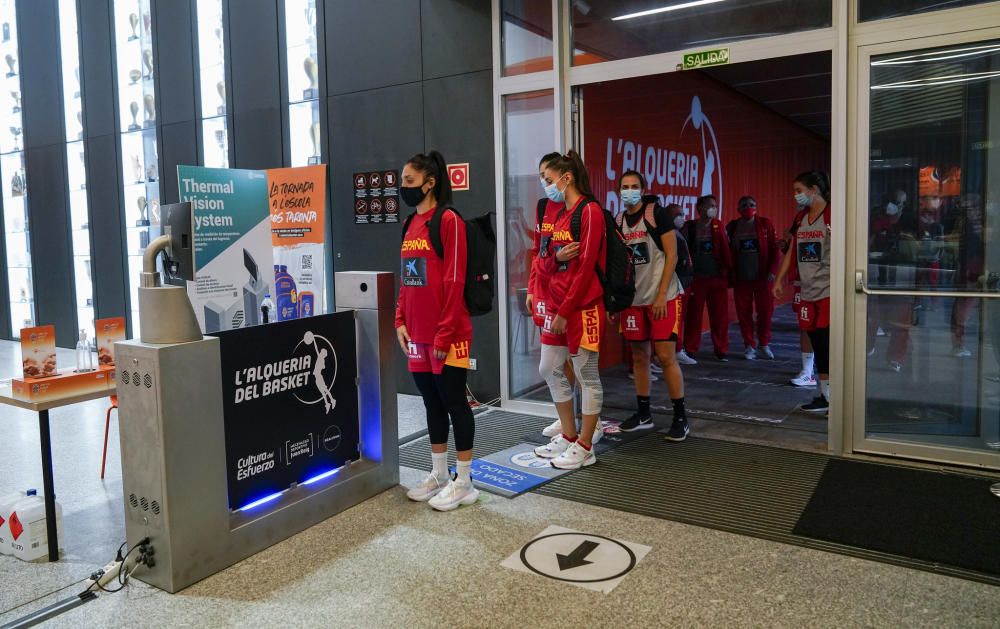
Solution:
(105, 575)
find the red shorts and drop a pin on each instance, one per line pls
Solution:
(583, 330)
(813, 315)
(420, 357)
(638, 324)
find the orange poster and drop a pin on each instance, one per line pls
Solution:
(109, 332)
(297, 198)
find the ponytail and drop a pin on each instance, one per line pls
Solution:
(816, 178)
(433, 165)
(571, 163)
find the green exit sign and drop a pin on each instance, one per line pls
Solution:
(706, 58)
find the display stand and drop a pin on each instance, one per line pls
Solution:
(173, 447)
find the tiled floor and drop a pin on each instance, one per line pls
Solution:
(392, 562)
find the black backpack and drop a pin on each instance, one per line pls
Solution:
(618, 277)
(684, 268)
(481, 250)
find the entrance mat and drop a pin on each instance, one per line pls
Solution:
(934, 516)
(752, 490)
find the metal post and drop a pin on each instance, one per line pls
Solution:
(50, 492)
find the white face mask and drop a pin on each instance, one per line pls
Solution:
(891, 209)
(679, 221)
(712, 212)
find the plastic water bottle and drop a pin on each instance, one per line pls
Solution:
(28, 531)
(266, 309)
(84, 359)
(7, 502)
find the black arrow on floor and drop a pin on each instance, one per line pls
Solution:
(578, 557)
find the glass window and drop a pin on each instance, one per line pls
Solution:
(303, 82)
(212, 73)
(15, 189)
(529, 130)
(527, 36)
(604, 30)
(137, 127)
(76, 167)
(934, 201)
(881, 9)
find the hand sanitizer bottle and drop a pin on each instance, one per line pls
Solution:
(266, 309)
(84, 360)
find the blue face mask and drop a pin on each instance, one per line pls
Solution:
(631, 197)
(803, 199)
(553, 192)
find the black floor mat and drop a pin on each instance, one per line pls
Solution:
(939, 517)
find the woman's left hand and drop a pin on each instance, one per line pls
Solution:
(440, 355)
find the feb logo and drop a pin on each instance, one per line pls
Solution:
(324, 370)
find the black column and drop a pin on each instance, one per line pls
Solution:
(104, 169)
(45, 167)
(175, 75)
(255, 67)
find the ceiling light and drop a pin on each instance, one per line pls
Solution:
(937, 80)
(673, 7)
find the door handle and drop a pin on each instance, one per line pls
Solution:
(861, 288)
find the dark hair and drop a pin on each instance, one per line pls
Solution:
(702, 201)
(674, 206)
(433, 165)
(632, 173)
(548, 157)
(745, 201)
(571, 163)
(818, 179)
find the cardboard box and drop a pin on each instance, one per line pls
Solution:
(64, 384)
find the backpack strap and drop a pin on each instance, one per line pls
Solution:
(406, 225)
(540, 214)
(577, 218)
(649, 216)
(434, 229)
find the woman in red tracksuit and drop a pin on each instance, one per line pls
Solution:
(712, 262)
(538, 278)
(756, 260)
(434, 329)
(574, 301)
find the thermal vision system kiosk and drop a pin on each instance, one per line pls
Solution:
(234, 442)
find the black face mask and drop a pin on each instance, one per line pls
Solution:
(412, 195)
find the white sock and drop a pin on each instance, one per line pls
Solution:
(465, 471)
(808, 360)
(825, 389)
(439, 465)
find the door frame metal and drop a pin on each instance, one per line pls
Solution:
(902, 35)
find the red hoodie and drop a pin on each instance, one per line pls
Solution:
(538, 279)
(574, 285)
(431, 294)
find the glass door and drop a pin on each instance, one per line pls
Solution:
(928, 260)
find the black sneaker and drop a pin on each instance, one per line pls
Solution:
(818, 405)
(678, 430)
(636, 422)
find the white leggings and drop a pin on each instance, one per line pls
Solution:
(552, 368)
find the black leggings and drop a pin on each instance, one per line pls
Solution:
(444, 395)
(820, 339)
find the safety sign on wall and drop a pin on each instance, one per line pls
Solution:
(376, 197)
(459, 176)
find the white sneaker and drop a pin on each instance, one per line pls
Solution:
(598, 433)
(962, 352)
(554, 448)
(766, 352)
(750, 353)
(457, 493)
(553, 429)
(652, 378)
(427, 489)
(654, 366)
(575, 457)
(684, 359)
(804, 380)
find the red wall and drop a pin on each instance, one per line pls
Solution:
(757, 152)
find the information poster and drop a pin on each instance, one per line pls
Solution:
(297, 201)
(109, 331)
(290, 403)
(376, 197)
(38, 351)
(233, 258)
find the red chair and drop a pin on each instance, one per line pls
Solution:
(107, 424)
